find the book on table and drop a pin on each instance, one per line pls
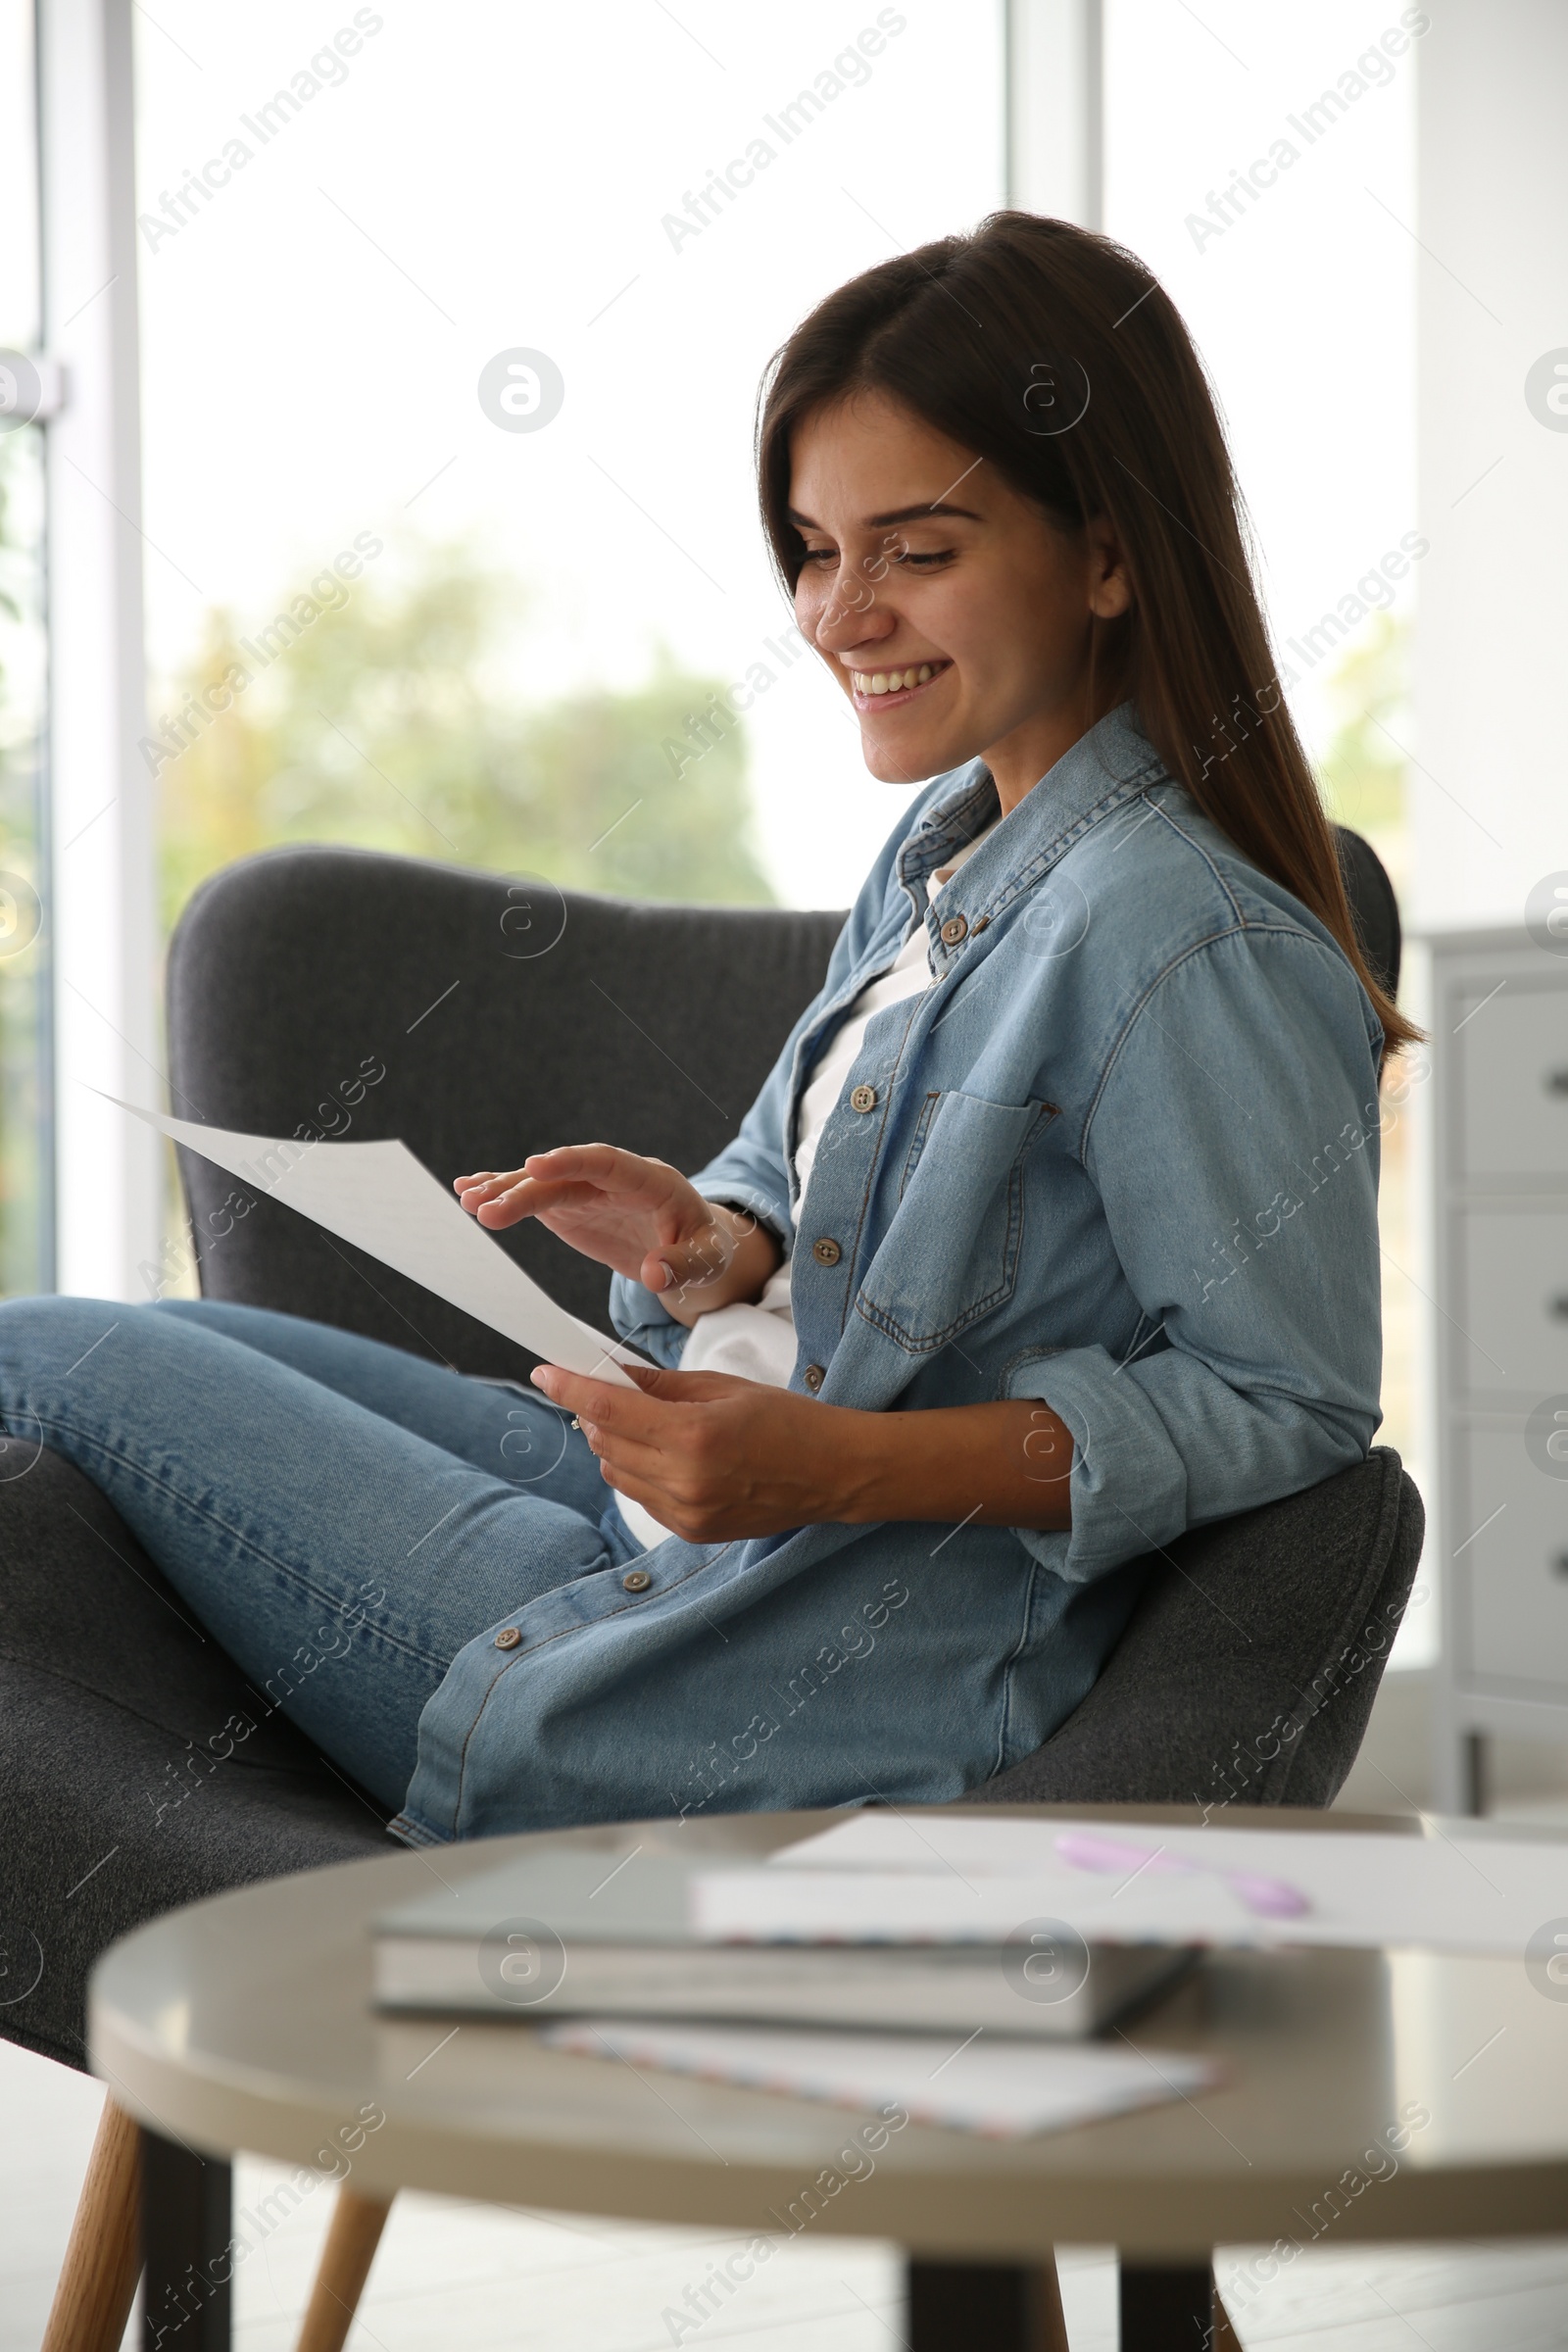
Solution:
(550, 1935)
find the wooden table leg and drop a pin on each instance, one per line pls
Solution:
(103, 2260)
(186, 2220)
(352, 2239)
(1008, 2307)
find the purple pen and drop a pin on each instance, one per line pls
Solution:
(1269, 1897)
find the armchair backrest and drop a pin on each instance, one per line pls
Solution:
(477, 1018)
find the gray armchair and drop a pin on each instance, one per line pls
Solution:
(376, 995)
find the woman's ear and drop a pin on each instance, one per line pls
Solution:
(1111, 589)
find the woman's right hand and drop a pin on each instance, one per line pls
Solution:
(640, 1216)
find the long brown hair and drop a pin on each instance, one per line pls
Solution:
(1059, 357)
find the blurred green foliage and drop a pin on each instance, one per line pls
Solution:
(1363, 766)
(10, 606)
(385, 721)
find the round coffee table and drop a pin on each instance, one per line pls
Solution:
(244, 2022)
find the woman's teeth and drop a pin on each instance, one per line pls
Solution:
(889, 681)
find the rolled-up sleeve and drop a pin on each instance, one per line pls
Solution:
(1234, 1146)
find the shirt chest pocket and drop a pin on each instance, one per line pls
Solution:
(950, 1253)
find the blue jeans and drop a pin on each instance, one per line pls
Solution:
(342, 1517)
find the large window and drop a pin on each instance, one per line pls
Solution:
(453, 326)
(26, 1122)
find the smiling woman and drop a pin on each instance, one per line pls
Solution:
(918, 605)
(1052, 1234)
(1076, 400)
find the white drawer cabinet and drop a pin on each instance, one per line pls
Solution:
(1510, 1094)
(1511, 1335)
(1514, 1568)
(1493, 1120)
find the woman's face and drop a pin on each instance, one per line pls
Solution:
(955, 615)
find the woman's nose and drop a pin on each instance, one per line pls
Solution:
(852, 615)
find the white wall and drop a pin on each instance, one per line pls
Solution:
(1491, 811)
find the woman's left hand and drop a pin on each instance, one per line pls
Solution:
(714, 1458)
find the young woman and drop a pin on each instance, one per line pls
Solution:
(1052, 1233)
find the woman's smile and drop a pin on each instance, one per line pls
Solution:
(889, 687)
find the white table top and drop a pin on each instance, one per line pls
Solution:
(244, 2022)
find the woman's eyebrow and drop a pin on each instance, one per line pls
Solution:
(918, 514)
(914, 513)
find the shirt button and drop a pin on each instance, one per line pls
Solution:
(863, 1099)
(638, 1581)
(954, 929)
(813, 1377)
(826, 1253)
(508, 1637)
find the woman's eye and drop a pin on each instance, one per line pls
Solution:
(927, 563)
(818, 555)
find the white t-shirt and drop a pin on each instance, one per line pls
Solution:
(756, 1341)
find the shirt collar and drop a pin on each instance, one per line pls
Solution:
(1113, 760)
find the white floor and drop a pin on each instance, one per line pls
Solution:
(455, 2274)
(1458, 2298)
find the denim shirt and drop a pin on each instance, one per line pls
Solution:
(1120, 1157)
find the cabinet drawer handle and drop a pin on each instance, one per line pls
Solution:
(1556, 1082)
(1559, 1566)
(1559, 1307)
